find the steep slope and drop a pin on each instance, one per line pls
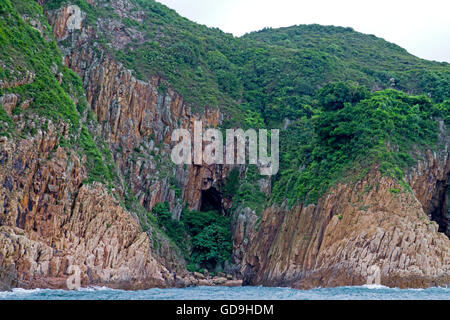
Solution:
(357, 187)
(365, 233)
(59, 212)
(261, 72)
(381, 218)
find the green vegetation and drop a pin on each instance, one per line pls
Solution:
(350, 132)
(25, 51)
(271, 74)
(95, 163)
(210, 237)
(394, 190)
(232, 183)
(6, 124)
(204, 237)
(342, 92)
(247, 191)
(364, 58)
(174, 229)
(265, 77)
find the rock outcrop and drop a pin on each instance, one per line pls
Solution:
(53, 226)
(374, 231)
(137, 120)
(430, 180)
(51, 221)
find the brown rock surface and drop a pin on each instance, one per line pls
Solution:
(8, 102)
(49, 221)
(351, 235)
(46, 206)
(137, 121)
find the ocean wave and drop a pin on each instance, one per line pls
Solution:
(365, 292)
(94, 288)
(20, 291)
(375, 286)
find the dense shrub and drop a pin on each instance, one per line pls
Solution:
(350, 134)
(212, 246)
(173, 228)
(211, 237)
(204, 237)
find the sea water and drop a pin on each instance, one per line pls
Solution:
(236, 293)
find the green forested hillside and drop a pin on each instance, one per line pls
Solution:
(351, 131)
(274, 72)
(326, 80)
(346, 102)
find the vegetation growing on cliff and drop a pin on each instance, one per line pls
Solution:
(266, 77)
(351, 131)
(274, 73)
(210, 236)
(317, 82)
(25, 53)
(31, 56)
(204, 237)
(6, 124)
(246, 192)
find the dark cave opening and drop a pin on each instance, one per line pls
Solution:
(211, 200)
(440, 208)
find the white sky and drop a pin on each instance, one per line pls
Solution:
(421, 27)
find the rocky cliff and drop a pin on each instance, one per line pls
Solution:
(358, 233)
(136, 118)
(374, 231)
(53, 222)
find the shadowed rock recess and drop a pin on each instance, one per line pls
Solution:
(91, 90)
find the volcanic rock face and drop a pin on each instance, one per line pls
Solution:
(137, 121)
(9, 101)
(357, 234)
(50, 221)
(430, 180)
(363, 233)
(65, 20)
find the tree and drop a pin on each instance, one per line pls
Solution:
(333, 96)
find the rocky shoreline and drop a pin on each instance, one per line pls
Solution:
(202, 280)
(9, 281)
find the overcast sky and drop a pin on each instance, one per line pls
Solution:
(421, 27)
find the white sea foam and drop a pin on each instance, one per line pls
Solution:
(94, 288)
(374, 286)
